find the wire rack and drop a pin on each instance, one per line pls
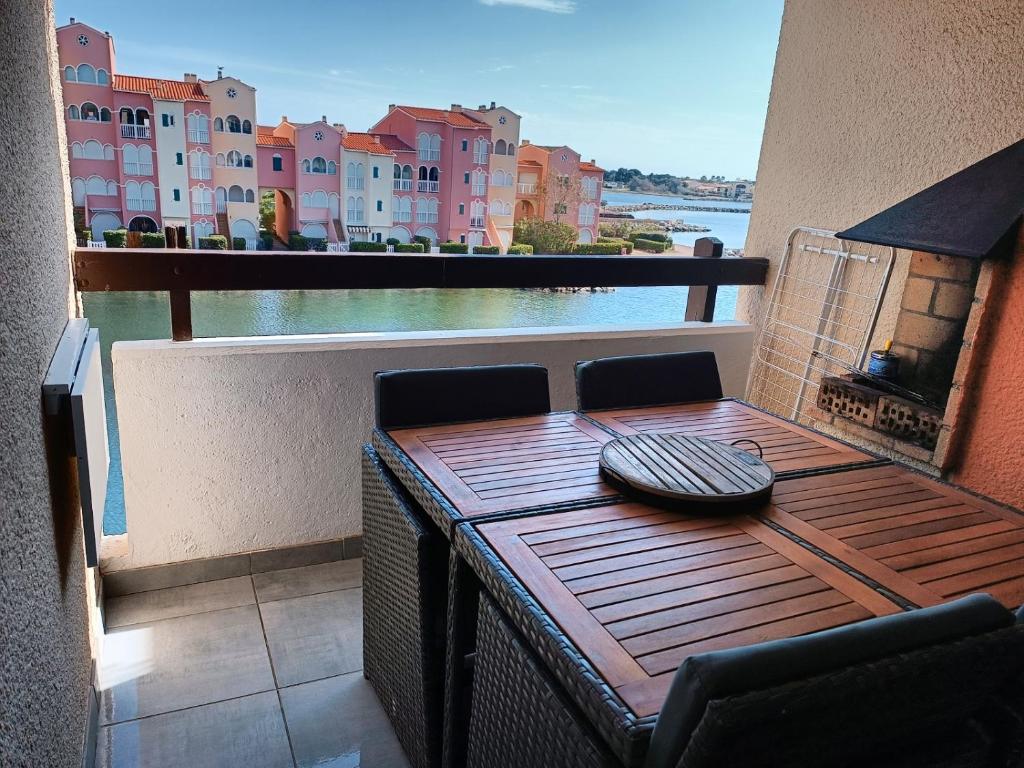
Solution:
(820, 318)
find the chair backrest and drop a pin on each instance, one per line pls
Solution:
(638, 381)
(896, 690)
(419, 397)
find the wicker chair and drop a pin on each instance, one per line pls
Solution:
(638, 381)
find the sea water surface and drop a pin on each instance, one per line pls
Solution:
(129, 316)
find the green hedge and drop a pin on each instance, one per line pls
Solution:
(520, 249)
(651, 246)
(487, 250)
(426, 242)
(596, 249)
(267, 243)
(115, 238)
(658, 237)
(238, 243)
(618, 242)
(318, 244)
(365, 246)
(394, 241)
(297, 242)
(407, 247)
(213, 243)
(450, 247)
(154, 240)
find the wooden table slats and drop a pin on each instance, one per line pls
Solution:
(787, 447)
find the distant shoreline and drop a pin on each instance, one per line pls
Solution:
(677, 197)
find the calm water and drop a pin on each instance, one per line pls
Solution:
(127, 316)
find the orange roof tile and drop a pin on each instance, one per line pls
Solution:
(270, 140)
(585, 166)
(394, 143)
(458, 119)
(171, 90)
(364, 142)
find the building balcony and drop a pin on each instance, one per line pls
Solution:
(353, 183)
(426, 217)
(427, 186)
(478, 190)
(402, 217)
(135, 132)
(137, 169)
(402, 185)
(476, 222)
(202, 209)
(205, 173)
(429, 155)
(198, 137)
(355, 218)
(480, 159)
(523, 188)
(140, 204)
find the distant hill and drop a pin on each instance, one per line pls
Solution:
(665, 183)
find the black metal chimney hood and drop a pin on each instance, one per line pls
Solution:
(974, 213)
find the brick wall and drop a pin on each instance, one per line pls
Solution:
(929, 331)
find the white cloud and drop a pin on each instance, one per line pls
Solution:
(550, 6)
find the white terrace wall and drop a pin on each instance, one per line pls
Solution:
(237, 445)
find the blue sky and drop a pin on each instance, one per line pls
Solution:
(675, 86)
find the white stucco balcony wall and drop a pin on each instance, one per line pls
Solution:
(241, 444)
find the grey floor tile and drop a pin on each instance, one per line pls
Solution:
(315, 636)
(158, 666)
(309, 580)
(338, 722)
(179, 601)
(247, 732)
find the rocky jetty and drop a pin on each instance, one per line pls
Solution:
(633, 207)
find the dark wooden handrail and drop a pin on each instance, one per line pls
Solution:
(181, 271)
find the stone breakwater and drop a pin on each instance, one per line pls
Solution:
(656, 225)
(632, 207)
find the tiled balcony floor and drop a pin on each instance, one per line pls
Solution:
(257, 671)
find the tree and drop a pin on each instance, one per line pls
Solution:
(562, 194)
(545, 236)
(268, 211)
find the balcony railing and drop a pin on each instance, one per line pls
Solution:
(354, 218)
(138, 169)
(202, 209)
(402, 185)
(353, 183)
(427, 186)
(476, 221)
(141, 204)
(478, 189)
(586, 221)
(523, 188)
(426, 217)
(402, 216)
(201, 172)
(480, 159)
(198, 137)
(429, 154)
(135, 132)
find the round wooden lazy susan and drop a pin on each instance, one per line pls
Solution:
(682, 471)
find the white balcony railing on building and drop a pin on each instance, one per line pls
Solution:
(586, 220)
(353, 183)
(480, 159)
(427, 186)
(429, 154)
(402, 216)
(426, 217)
(201, 172)
(201, 208)
(222, 206)
(476, 221)
(138, 169)
(354, 218)
(526, 189)
(141, 204)
(198, 137)
(478, 189)
(135, 132)
(403, 185)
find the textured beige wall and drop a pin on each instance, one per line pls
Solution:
(44, 636)
(873, 100)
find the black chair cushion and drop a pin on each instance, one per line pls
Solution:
(706, 677)
(639, 381)
(419, 397)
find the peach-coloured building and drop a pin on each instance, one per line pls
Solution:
(555, 184)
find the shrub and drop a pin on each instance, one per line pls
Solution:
(154, 240)
(451, 247)
(619, 243)
(596, 249)
(408, 247)
(115, 238)
(267, 243)
(520, 249)
(394, 241)
(238, 243)
(426, 242)
(364, 246)
(213, 243)
(318, 244)
(651, 246)
(545, 236)
(297, 242)
(658, 237)
(485, 249)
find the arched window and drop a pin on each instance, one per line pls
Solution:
(319, 165)
(396, 172)
(511, 149)
(250, 197)
(145, 160)
(246, 126)
(69, 74)
(435, 147)
(247, 161)
(305, 166)
(499, 147)
(234, 159)
(111, 188)
(101, 77)
(479, 183)
(318, 199)
(199, 164)
(332, 168)
(236, 194)
(221, 197)
(432, 176)
(126, 116)
(95, 186)
(78, 191)
(133, 196)
(108, 151)
(86, 74)
(407, 172)
(234, 124)
(423, 146)
(141, 117)
(220, 160)
(480, 150)
(305, 200)
(90, 111)
(73, 113)
(423, 173)
(202, 229)
(104, 115)
(350, 211)
(148, 196)
(76, 150)
(93, 150)
(218, 125)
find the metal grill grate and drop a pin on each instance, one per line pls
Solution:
(820, 318)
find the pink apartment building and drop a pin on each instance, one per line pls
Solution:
(148, 153)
